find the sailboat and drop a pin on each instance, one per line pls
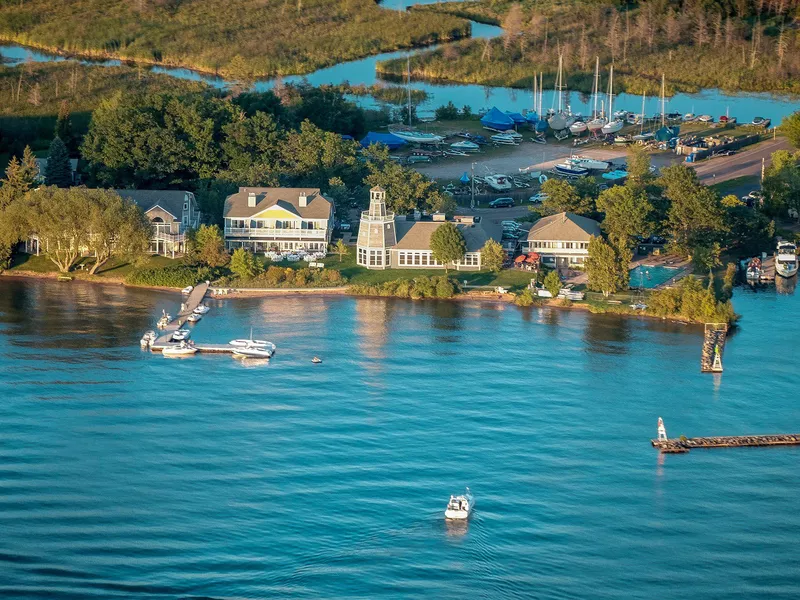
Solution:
(410, 134)
(597, 122)
(558, 121)
(642, 136)
(664, 133)
(541, 125)
(616, 125)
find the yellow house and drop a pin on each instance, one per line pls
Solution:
(264, 219)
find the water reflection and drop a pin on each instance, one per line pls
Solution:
(372, 317)
(785, 286)
(605, 334)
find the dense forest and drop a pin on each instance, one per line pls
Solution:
(242, 39)
(735, 45)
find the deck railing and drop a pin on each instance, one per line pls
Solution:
(268, 232)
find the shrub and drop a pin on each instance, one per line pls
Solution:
(525, 298)
(417, 289)
(176, 276)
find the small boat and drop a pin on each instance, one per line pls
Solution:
(179, 335)
(643, 137)
(418, 137)
(201, 309)
(571, 170)
(194, 317)
(618, 175)
(578, 127)
(254, 352)
(242, 343)
(612, 127)
(705, 119)
(165, 320)
(753, 272)
(465, 146)
(187, 290)
(596, 125)
(760, 122)
(505, 139)
(689, 117)
(498, 182)
(786, 259)
(620, 114)
(460, 507)
(148, 338)
(316, 360)
(182, 349)
(589, 163)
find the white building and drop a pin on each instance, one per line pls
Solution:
(562, 240)
(264, 219)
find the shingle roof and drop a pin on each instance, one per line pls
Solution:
(564, 226)
(170, 200)
(318, 206)
(416, 235)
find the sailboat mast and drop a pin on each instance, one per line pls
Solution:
(611, 94)
(541, 91)
(408, 85)
(663, 102)
(596, 86)
(641, 129)
(560, 82)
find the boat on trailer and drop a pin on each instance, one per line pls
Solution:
(571, 170)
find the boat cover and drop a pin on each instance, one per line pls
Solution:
(532, 117)
(516, 117)
(464, 178)
(389, 140)
(497, 119)
(664, 134)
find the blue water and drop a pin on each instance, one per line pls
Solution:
(650, 276)
(127, 475)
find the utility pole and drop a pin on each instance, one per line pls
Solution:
(472, 183)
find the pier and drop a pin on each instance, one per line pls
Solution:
(713, 342)
(683, 444)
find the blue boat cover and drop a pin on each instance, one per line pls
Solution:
(464, 178)
(346, 137)
(497, 119)
(516, 117)
(389, 140)
(541, 126)
(532, 117)
(664, 134)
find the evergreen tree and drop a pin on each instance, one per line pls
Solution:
(447, 244)
(58, 171)
(63, 128)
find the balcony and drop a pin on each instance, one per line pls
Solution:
(267, 233)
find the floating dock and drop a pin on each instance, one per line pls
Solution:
(713, 343)
(683, 444)
(192, 301)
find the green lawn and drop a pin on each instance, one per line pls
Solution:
(114, 268)
(726, 187)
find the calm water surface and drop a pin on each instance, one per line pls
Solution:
(124, 474)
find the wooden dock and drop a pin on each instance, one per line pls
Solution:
(713, 343)
(681, 445)
(192, 301)
(158, 346)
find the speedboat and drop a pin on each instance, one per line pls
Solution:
(148, 338)
(418, 137)
(201, 309)
(179, 335)
(254, 352)
(165, 320)
(578, 127)
(786, 259)
(182, 349)
(460, 507)
(316, 360)
(588, 163)
(753, 272)
(505, 138)
(612, 127)
(194, 317)
(499, 183)
(187, 290)
(465, 146)
(571, 170)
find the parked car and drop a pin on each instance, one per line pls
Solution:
(537, 198)
(501, 203)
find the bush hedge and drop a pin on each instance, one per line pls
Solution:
(176, 276)
(417, 288)
(287, 277)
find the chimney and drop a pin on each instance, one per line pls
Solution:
(251, 199)
(303, 199)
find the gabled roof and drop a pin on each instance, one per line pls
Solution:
(169, 200)
(565, 227)
(317, 207)
(416, 235)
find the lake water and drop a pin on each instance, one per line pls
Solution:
(124, 474)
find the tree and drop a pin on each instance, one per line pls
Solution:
(448, 244)
(791, 127)
(627, 214)
(406, 189)
(244, 265)
(552, 283)
(603, 267)
(341, 249)
(117, 227)
(58, 171)
(493, 256)
(313, 156)
(781, 185)
(63, 127)
(638, 165)
(563, 197)
(20, 178)
(210, 246)
(252, 151)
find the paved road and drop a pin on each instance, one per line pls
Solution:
(742, 164)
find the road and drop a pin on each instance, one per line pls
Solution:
(746, 163)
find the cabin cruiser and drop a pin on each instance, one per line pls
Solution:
(201, 309)
(254, 352)
(418, 137)
(148, 338)
(179, 335)
(753, 272)
(460, 507)
(571, 170)
(182, 349)
(194, 317)
(786, 259)
(499, 183)
(589, 163)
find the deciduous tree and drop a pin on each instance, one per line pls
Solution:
(627, 214)
(341, 249)
(563, 197)
(603, 267)
(210, 246)
(244, 265)
(493, 256)
(448, 244)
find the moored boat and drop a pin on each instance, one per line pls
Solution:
(148, 338)
(254, 352)
(753, 272)
(786, 259)
(194, 317)
(179, 335)
(201, 309)
(460, 507)
(177, 350)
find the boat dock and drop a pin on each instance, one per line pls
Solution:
(768, 269)
(713, 343)
(158, 346)
(684, 444)
(192, 301)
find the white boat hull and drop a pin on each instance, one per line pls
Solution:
(177, 352)
(596, 124)
(578, 128)
(452, 514)
(612, 127)
(785, 270)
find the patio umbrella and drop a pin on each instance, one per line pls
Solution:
(520, 259)
(464, 178)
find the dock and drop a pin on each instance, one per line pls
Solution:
(192, 301)
(683, 444)
(713, 343)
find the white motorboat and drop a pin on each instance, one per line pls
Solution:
(165, 320)
(689, 117)
(187, 290)
(705, 119)
(418, 137)
(316, 360)
(182, 349)
(499, 183)
(786, 259)
(194, 317)
(254, 352)
(643, 137)
(578, 127)
(148, 338)
(589, 163)
(612, 127)
(571, 170)
(201, 309)
(460, 507)
(505, 138)
(180, 335)
(753, 272)
(242, 343)
(465, 146)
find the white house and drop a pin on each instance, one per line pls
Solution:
(171, 213)
(263, 219)
(562, 240)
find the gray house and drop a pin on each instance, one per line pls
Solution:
(171, 212)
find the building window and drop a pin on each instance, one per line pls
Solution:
(362, 257)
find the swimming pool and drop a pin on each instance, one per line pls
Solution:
(650, 276)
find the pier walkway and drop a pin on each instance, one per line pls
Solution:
(187, 307)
